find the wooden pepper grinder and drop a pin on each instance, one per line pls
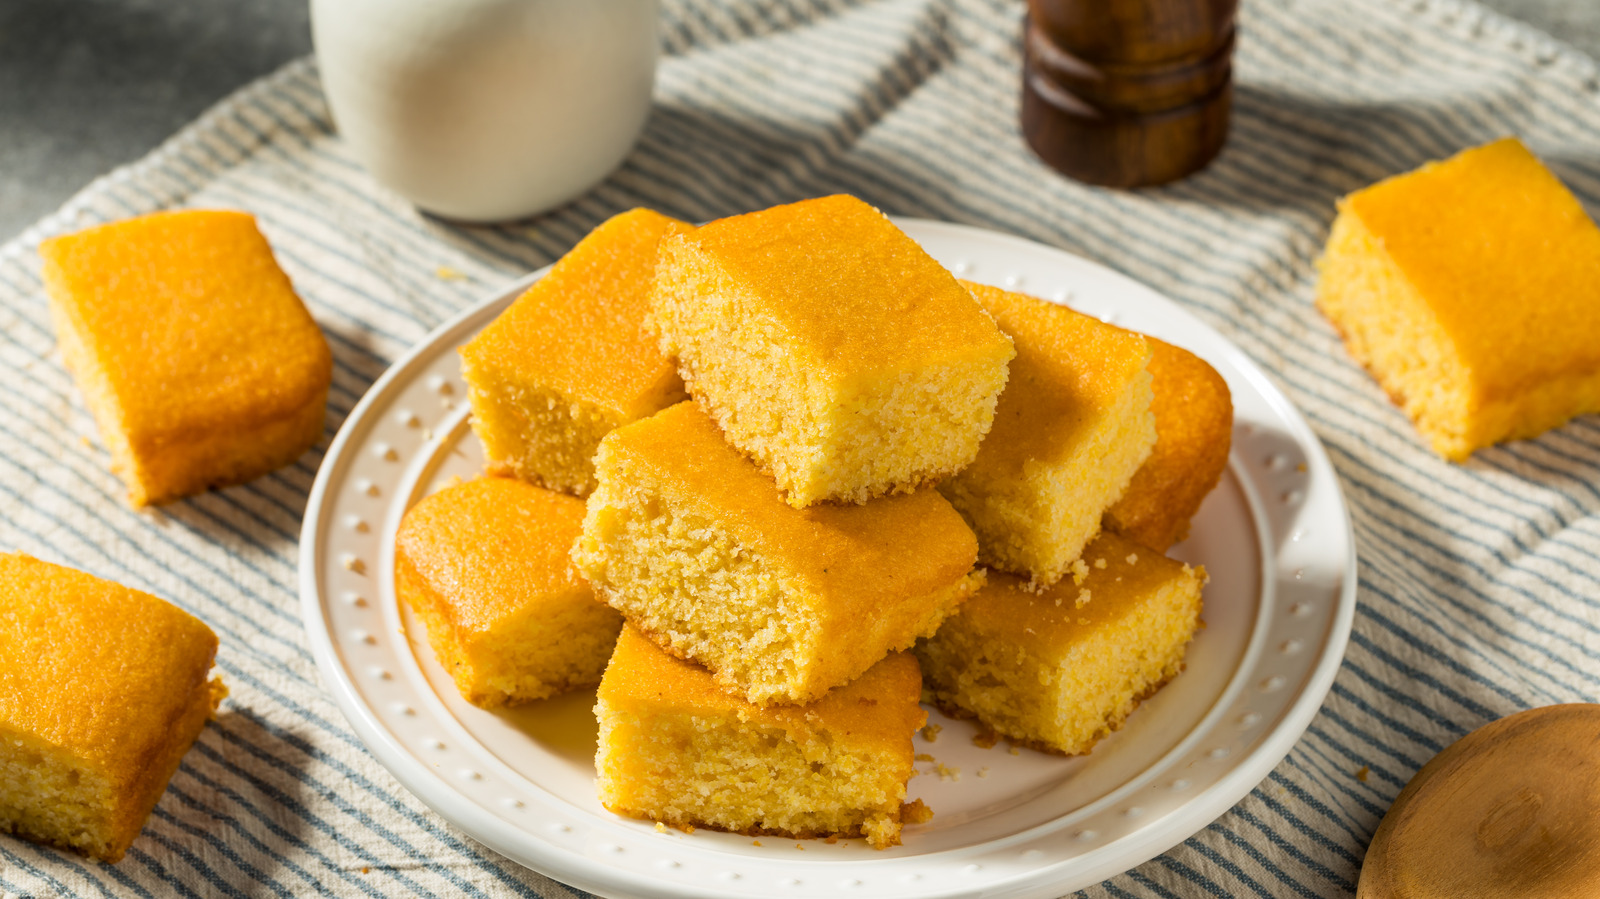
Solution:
(1127, 93)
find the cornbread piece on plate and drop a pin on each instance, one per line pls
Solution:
(1194, 429)
(102, 690)
(484, 565)
(830, 348)
(1468, 288)
(570, 360)
(676, 749)
(1060, 669)
(696, 548)
(1074, 424)
(201, 366)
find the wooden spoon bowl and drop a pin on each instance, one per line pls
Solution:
(1511, 809)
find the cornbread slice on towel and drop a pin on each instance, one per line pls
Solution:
(696, 548)
(1073, 425)
(676, 749)
(102, 690)
(570, 360)
(484, 565)
(201, 366)
(1060, 669)
(830, 348)
(1469, 289)
(1194, 430)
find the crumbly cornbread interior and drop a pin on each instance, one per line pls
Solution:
(1476, 316)
(484, 565)
(571, 359)
(696, 548)
(677, 749)
(1059, 670)
(1072, 427)
(830, 348)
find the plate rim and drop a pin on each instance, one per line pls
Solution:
(434, 791)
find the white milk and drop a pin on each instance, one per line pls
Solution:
(488, 110)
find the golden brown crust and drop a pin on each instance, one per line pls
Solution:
(690, 822)
(1194, 432)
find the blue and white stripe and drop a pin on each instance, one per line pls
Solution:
(1479, 595)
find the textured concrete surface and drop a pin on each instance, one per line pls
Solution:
(86, 85)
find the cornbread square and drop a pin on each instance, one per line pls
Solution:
(201, 366)
(696, 548)
(830, 348)
(1060, 669)
(1074, 424)
(571, 360)
(1469, 289)
(676, 749)
(484, 565)
(1194, 430)
(102, 690)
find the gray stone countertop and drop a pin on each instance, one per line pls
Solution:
(87, 85)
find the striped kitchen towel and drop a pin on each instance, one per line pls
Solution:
(1479, 594)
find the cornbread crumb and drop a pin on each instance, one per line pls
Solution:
(1083, 595)
(931, 732)
(947, 773)
(102, 690)
(985, 739)
(200, 365)
(484, 565)
(674, 747)
(1100, 564)
(695, 546)
(1059, 680)
(1133, 558)
(924, 757)
(1361, 773)
(570, 360)
(1070, 430)
(1477, 317)
(1013, 749)
(446, 273)
(1079, 571)
(755, 842)
(916, 812)
(778, 321)
(661, 828)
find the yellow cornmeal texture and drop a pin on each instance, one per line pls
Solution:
(201, 366)
(1469, 289)
(696, 548)
(102, 690)
(1045, 670)
(570, 360)
(1073, 425)
(1194, 429)
(830, 348)
(676, 749)
(484, 565)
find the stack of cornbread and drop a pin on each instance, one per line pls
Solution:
(792, 551)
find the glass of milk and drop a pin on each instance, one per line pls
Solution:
(487, 110)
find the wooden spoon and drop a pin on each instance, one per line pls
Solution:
(1511, 809)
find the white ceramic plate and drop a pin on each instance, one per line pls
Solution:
(1275, 537)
